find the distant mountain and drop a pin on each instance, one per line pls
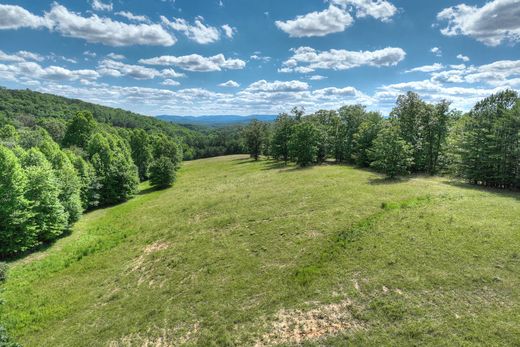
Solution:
(216, 120)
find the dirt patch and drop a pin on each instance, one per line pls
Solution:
(139, 265)
(296, 326)
(161, 338)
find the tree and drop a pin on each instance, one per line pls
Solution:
(43, 191)
(80, 130)
(141, 152)
(281, 137)
(162, 172)
(17, 234)
(391, 154)
(165, 146)
(89, 181)
(363, 139)
(8, 135)
(489, 147)
(69, 182)
(304, 143)
(351, 117)
(255, 138)
(114, 167)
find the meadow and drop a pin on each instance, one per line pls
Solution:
(242, 253)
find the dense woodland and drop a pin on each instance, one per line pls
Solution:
(61, 157)
(481, 146)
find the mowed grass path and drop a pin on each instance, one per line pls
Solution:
(243, 253)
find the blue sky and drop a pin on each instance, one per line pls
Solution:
(192, 57)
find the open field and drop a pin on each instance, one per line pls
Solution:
(255, 253)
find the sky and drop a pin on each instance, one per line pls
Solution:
(241, 57)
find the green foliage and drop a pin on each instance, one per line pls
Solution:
(141, 152)
(8, 135)
(3, 271)
(162, 172)
(17, 234)
(304, 143)
(489, 148)
(116, 172)
(164, 146)
(255, 137)
(48, 215)
(282, 131)
(391, 154)
(88, 180)
(80, 130)
(363, 139)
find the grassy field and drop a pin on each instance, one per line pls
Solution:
(253, 253)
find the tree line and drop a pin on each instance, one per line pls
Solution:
(481, 146)
(45, 184)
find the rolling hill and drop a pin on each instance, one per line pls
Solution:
(216, 120)
(255, 253)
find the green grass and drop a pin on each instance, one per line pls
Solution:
(241, 252)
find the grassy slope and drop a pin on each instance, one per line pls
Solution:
(220, 256)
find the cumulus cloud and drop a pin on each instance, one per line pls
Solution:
(116, 56)
(463, 58)
(197, 63)
(98, 5)
(20, 56)
(198, 32)
(93, 29)
(130, 16)
(335, 59)
(437, 51)
(494, 23)
(229, 84)
(499, 73)
(317, 78)
(229, 31)
(277, 86)
(331, 20)
(170, 82)
(114, 68)
(28, 70)
(16, 17)
(379, 9)
(427, 68)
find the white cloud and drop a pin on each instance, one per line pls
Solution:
(437, 51)
(277, 86)
(199, 32)
(230, 84)
(15, 17)
(379, 9)
(116, 56)
(20, 56)
(98, 5)
(499, 73)
(317, 78)
(93, 29)
(463, 58)
(229, 31)
(114, 68)
(26, 70)
(331, 20)
(130, 16)
(341, 59)
(170, 82)
(495, 22)
(427, 68)
(257, 56)
(198, 63)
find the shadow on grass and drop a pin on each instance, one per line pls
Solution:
(386, 180)
(515, 194)
(150, 190)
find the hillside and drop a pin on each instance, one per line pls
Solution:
(23, 104)
(256, 253)
(220, 120)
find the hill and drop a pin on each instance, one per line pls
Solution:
(252, 253)
(216, 120)
(25, 105)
